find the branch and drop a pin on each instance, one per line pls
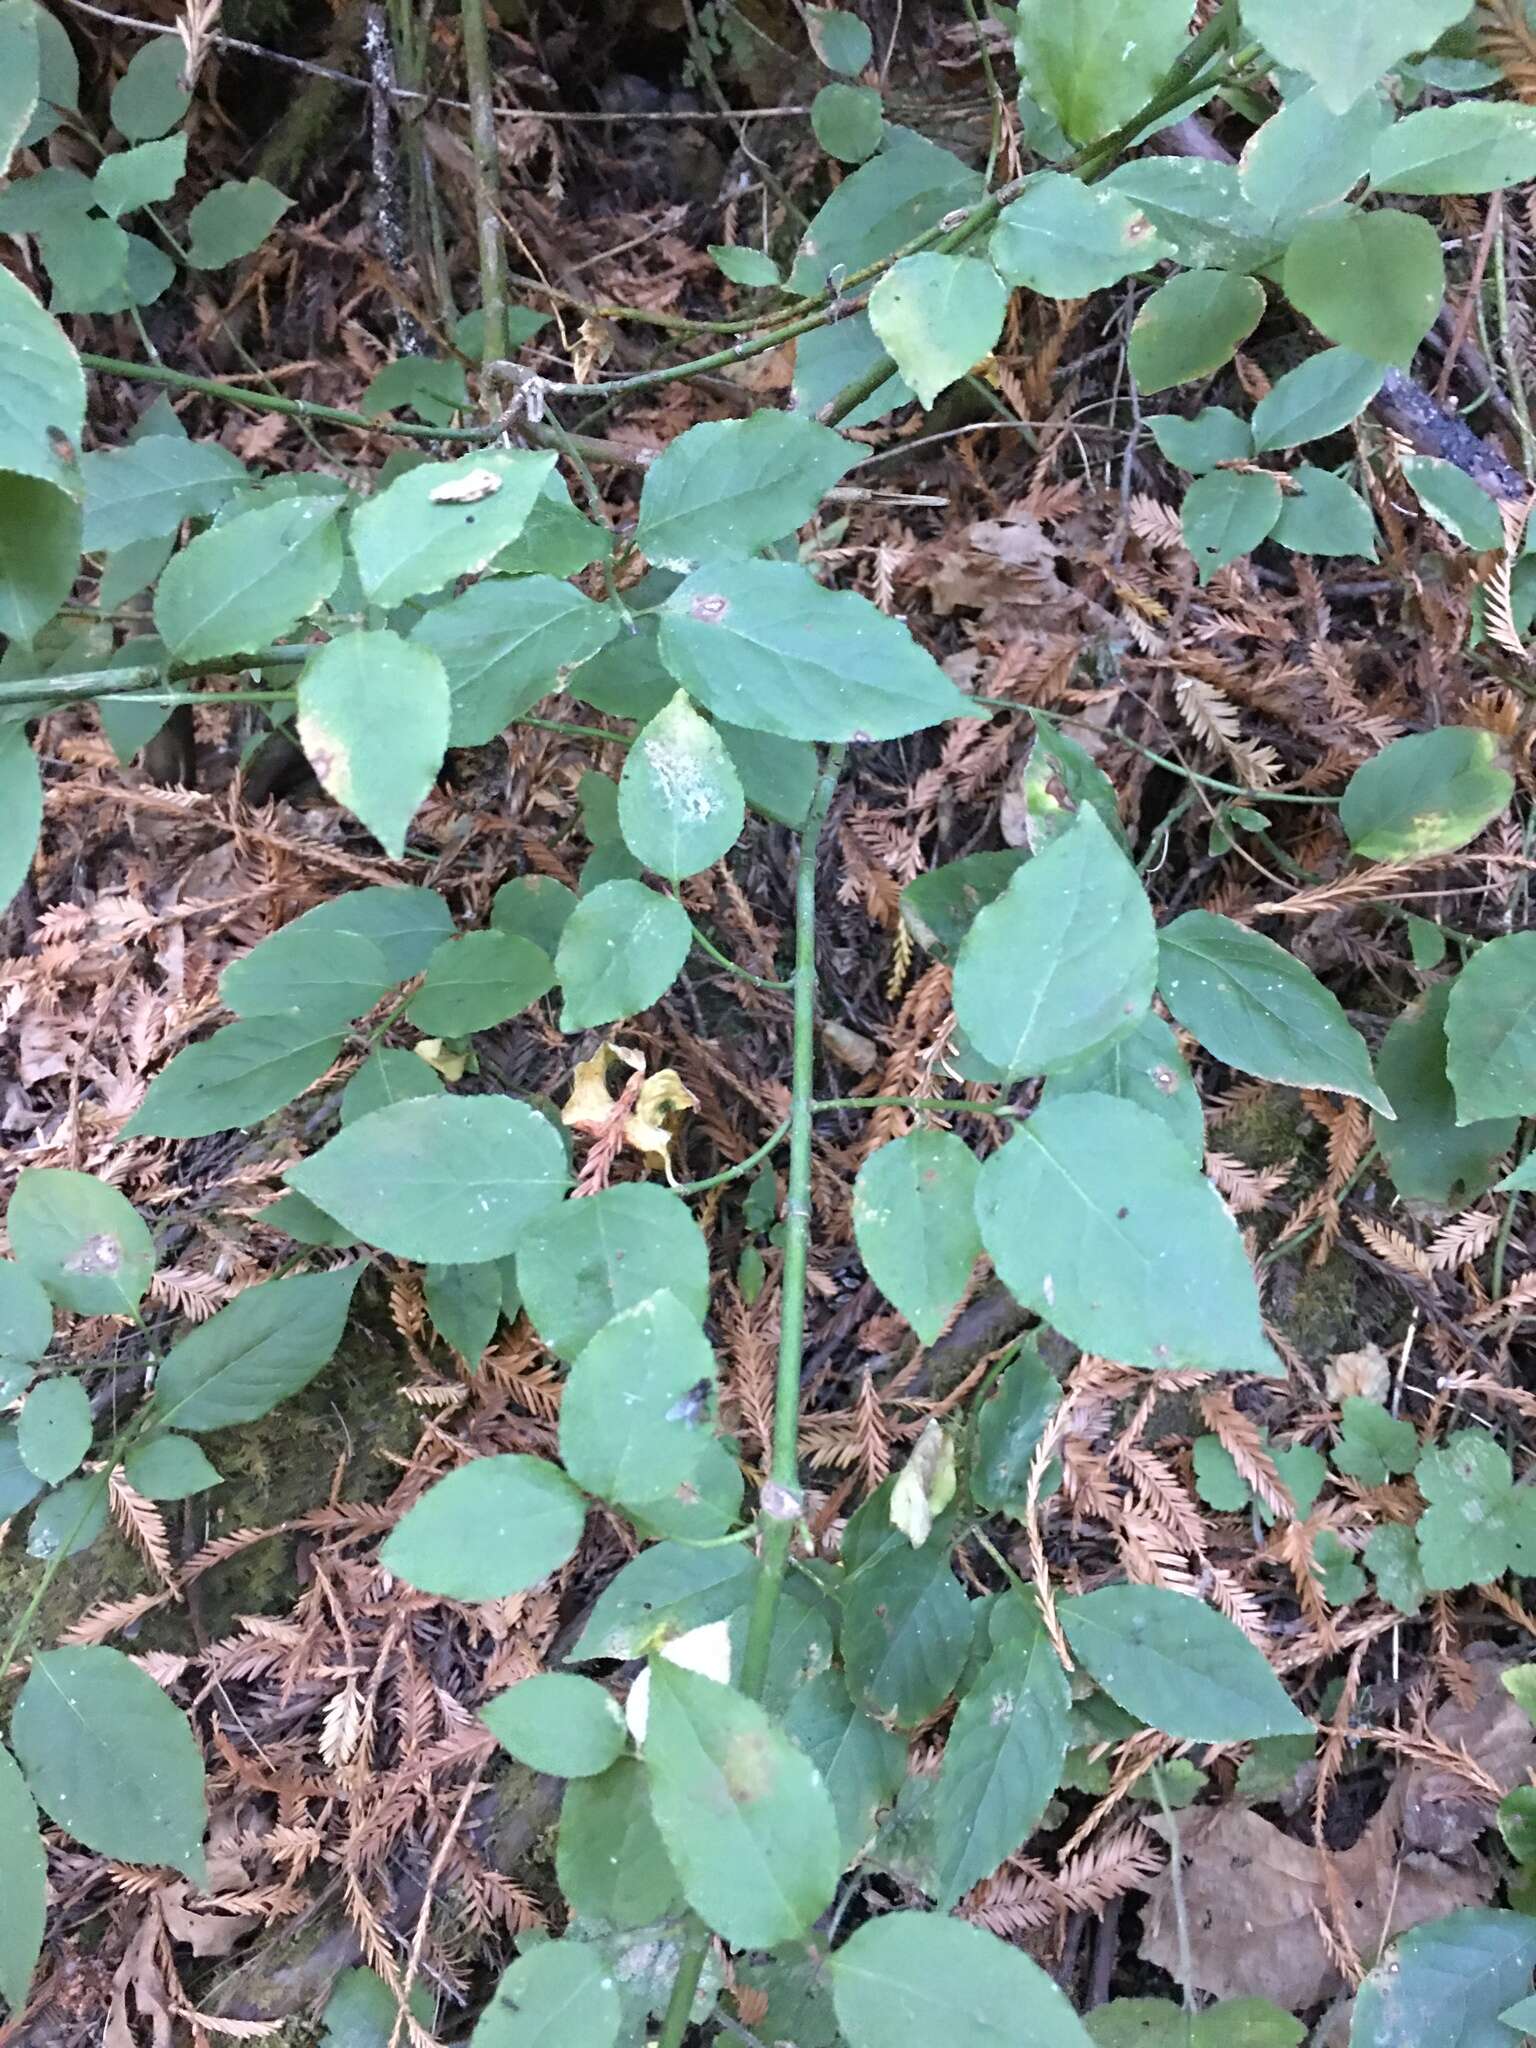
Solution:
(482, 135)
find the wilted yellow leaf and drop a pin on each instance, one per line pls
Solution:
(659, 1114)
(450, 1062)
(925, 1486)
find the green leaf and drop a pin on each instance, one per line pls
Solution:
(237, 1077)
(681, 806)
(1520, 2015)
(609, 1859)
(830, 358)
(23, 1866)
(634, 1428)
(361, 2010)
(69, 1520)
(314, 978)
(557, 540)
(906, 1623)
(1447, 1981)
(39, 553)
(1478, 1523)
(1217, 1480)
(44, 386)
(1451, 497)
(150, 98)
(1490, 1031)
(1002, 1762)
(1317, 398)
(559, 1723)
(442, 520)
(913, 1217)
(746, 1820)
(939, 908)
(1192, 325)
(373, 720)
(1097, 1219)
(1517, 1823)
(1431, 1157)
(1198, 210)
(763, 645)
(144, 176)
(744, 266)
(388, 1075)
(1323, 516)
(1341, 1579)
(561, 1994)
(81, 1239)
(406, 925)
(1159, 2023)
(169, 1468)
(54, 1429)
(1143, 1066)
(1374, 1446)
(1060, 780)
(862, 1764)
(908, 1980)
(479, 980)
(1392, 1553)
(1009, 1424)
(778, 777)
(111, 1760)
(620, 952)
(58, 77)
(243, 583)
(1213, 435)
(876, 211)
(1227, 514)
(1177, 1665)
(1476, 146)
(663, 1593)
(840, 39)
(26, 1317)
(1346, 51)
(1067, 239)
(937, 316)
(506, 643)
(1063, 961)
(464, 1303)
(848, 121)
(18, 105)
(21, 810)
(233, 221)
(305, 1223)
(1253, 1005)
(144, 490)
(584, 1262)
(1308, 156)
(445, 1179)
(533, 907)
(730, 488)
(526, 1519)
(18, 1488)
(268, 1343)
(1094, 67)
(1370, 281)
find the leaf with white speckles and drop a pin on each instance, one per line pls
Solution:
(111, 1759)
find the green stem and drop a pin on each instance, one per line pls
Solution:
(994, 91)
(487, 196)
(684, 1989)
(50, 691)
(707, 945)
(745, 1166)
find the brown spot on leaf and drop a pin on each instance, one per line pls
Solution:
(103, 1254)
(709, 611)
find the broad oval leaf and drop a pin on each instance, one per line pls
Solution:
(241, 584)
(1067, 239)
(1063, 961)
(1225, 515)
(1429, 792)
(389, 1074)
(937, 315)
(1431, 1157)
(44, 384)
(1370, 281)
(730, 488)
(1346, 50)
(404, 924)
(308, 974)
(54, 1429)
(1177, 1665)
(526, 1518)
(81, 1239)
(240, 1075)
(24, 1882)
(636, 1417)
(1490, 1031)
(620, 951)
(150, 98)
(19, 83)
(1002, 1762)
(443, 1179)
(1307, 157)
(145, 489)
(1009, 1424)
(940, 907)
(557, 1722)
(746, 1820)
(664, 1592)
(1198, 210)
(373, 720)
(561, 1994)
(907, 1626)
(1254, 1005)
(1212, 436)
(907, 1980)
(609, 1859)
(506, 642)
(39, 553)
(1474, 146)
(840, 39)
(169, 1468)
(1318, 397)
(862, 1763)
(914, 1219)
(848, 121)
(111, 1759)
(1143, 1066)
(266, 1344)
(764, 645)
(465, 1304)
(1457, 502)
(26, 1316)
(442, 520)
(233, 220)
(1097, 1219)
(479, 980)
(584, 1262)
(1192, 325)
(681, 806)
(1095, 67)
(1449, 1981)
(21, 809)
(533, 907)
(1323, 516)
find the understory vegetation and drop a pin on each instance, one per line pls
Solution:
(770, 1024)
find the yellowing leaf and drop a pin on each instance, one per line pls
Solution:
(925, 1486)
